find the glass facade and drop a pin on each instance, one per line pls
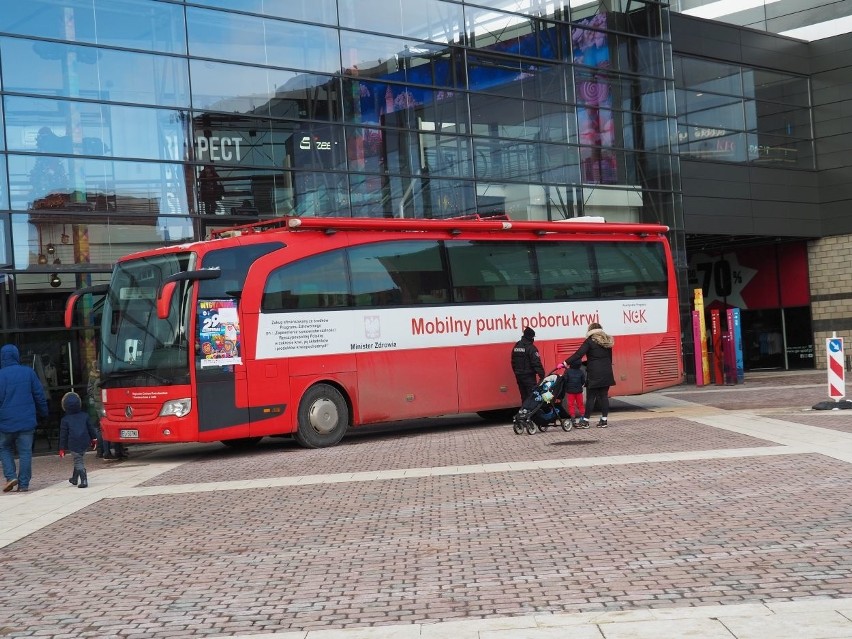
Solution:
(128, 124)
(739, 114)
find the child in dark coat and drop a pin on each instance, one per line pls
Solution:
(77, 434)
(575, 379)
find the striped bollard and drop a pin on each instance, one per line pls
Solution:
(836, 370)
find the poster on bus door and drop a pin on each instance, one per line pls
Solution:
(219, 333)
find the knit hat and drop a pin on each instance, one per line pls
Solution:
(529, 333)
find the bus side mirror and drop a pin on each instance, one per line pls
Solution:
(100, 289)
(167, 289)
(164, 301)
(69, 309)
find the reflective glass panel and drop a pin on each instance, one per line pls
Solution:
(93, 241)
(255, 40)
(117, 131)
(657, 170)
(55, 69)
(522, 202)
(132, 189)
(4, 186)
(491, 30)
(380, 195)
(781, 151)
(232, 140)
(778, 119)
(511, 118)
(246, 192)
(776, 87)
(319, 194)
(704, 75)
(515, 78)
(434, 20)
(232, 88)
(600, 166)
(133, 24)
(441, 111)
(527, 7)
(380, 103)
(409, 196)
(529, 162)
(407, 153)
(652, 96)
(727, 116)
(444, 155)
(396, 59)
(721, 145)
(324, 11)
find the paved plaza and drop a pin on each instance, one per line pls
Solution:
(715, 512)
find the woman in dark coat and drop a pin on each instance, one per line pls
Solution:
(597, 349)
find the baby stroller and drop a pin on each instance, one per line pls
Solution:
(543, 408)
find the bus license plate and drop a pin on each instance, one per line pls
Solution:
(126, 433)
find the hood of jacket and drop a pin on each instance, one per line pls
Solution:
(9, 355)
(71, 403)
(600, 338)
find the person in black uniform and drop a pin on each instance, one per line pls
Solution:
(526, 363)
(597, 349)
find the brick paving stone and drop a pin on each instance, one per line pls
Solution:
(359, 554)
(748, 397)
(460, 444)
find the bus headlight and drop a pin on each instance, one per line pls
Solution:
(176, 407)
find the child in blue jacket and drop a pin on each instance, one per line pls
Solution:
(77, 434)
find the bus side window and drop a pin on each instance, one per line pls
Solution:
(315, 282)
(491, 271)
(398, 273)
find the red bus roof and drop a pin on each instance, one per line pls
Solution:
(453, 226)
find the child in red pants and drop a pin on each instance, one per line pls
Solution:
(575, 379)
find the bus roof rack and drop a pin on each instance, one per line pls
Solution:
(247, 229)
(456, 226)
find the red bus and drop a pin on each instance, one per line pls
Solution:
(304, 327)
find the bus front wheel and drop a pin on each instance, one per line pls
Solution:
(323, 417)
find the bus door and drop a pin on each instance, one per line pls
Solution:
(220, 373)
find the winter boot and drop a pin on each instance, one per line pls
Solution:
(602, 423)
(73, 480)
(84, 480)
(584, 423)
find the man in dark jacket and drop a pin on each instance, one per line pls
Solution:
(526, 363)
(22, 403)
(597, 349)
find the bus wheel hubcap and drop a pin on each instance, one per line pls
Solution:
(324, 416)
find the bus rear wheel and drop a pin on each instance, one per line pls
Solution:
(323, 417)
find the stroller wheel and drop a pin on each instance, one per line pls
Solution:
(531, 428)
(567, 425)
(518, 427)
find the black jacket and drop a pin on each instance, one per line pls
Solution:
(597, 349)
(75, 430)
(526, 362)
(575, 379)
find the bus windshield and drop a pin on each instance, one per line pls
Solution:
(138, 348)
